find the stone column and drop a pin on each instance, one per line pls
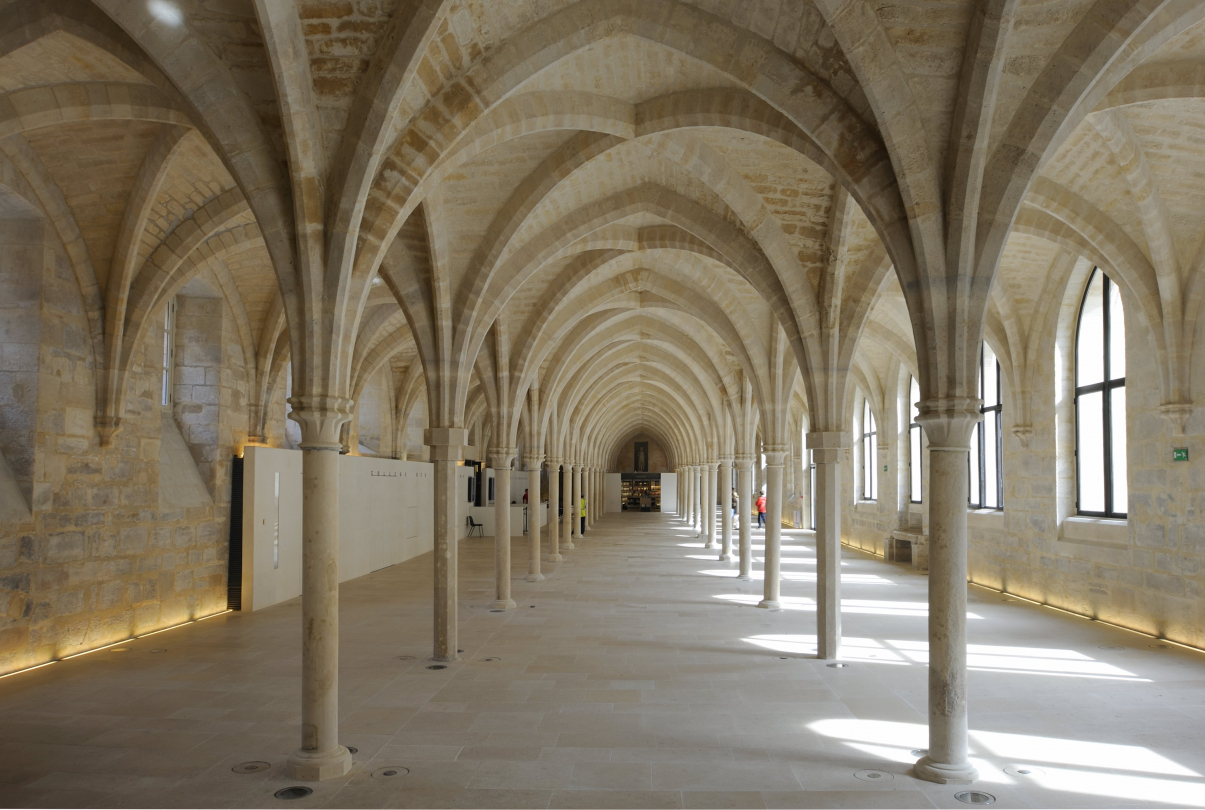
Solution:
(591, 496)
(500, 458)
(320, 756)
(579, 486)
(575, 501)
(534, 462)
(680, 509)
(554, 520)
(725, 489)
(744, 491)
(709, 479)
(775, 455)
(696, 525)
(829, 452)
(447, 450)
(567, 520)
(948, 424)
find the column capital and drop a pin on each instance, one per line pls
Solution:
(533, 461)
(743, 459)
(726, 460)
(553, 461)
(502, 456)
(948, 422)
(321, 419)
(775, 454)
(447, 444)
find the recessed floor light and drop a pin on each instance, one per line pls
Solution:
(251, 767)
(975, 797)
(873, 776)
(295, 792)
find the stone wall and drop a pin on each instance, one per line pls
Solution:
(658, 462)
(97, 560)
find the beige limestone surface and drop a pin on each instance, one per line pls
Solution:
(643, 677)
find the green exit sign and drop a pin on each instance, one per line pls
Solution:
(1179, 454)
(884, 468)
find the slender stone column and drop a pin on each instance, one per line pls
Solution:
(948, 424)
(592, 497)
(320, 756)
(696, 524)
(709, 479)
(575, 501)
(554, 520)
(744, 491)
(500, 458)
(773, 568)
(680, 511)
(534, 462)
(580, 484)
(567, 518)
(829, 451)
(725, 490)
(447, 450)
(684, 492)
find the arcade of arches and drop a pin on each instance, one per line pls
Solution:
(929, 275)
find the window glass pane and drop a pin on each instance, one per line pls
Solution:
(914, 449)
(991, 420)
(914, 398)
(1090, 442)
(1090, 339)
(872, 453)
(1120, 484)
(974, 496)
(1117, 335)
(991, 370)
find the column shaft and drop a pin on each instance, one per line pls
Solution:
(576, 501)
(828, 550)
(744, 487)
(773, 566)
(554, 519)
(725, 490)
(533, 520)
(709, 479)
(502, 534)
(567, 517)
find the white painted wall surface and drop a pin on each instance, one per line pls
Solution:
(612, 501)
(485, 516)
(385, 517)
(669, 492)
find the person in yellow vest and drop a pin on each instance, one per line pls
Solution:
(582, 512)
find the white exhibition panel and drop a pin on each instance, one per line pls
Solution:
(613, 500)
(669, 492)
(386, 516)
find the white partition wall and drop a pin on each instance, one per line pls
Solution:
(613, 500)
(385, 517)
(669, 492)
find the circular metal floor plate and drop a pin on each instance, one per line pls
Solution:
(873, 776)
(251, 767)
(975, 797)
(390, 772)
(437, 666)
(295, 792)
(838, 665)
(1024, 770)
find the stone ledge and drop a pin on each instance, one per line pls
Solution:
(1088, 531)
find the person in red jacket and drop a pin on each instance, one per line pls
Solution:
(761, 510)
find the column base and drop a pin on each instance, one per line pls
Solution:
(726, 558)
(534, 578)
(710, 545)
(943, 774)
(769, 604)
(311, 766)
(568, 546)
(745, 578)
(553, 558)
(502, 604)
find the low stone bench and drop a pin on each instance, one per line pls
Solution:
(907, 546)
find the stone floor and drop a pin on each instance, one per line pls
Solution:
(639, 674)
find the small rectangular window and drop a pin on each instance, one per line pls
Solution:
(916, 471)
(169, 353)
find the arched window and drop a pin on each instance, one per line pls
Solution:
(870, 455)
(169, 354)
(986, 467)
(916, 468)
(1100, 402)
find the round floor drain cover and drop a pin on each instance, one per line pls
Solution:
(437, 666)
(1024, 770)
(390, 772)
(838, 665)
(251, 767)
(405, 658)
(874, 776)
(491, 659)
(295, 792)
(920, 752)
(531, 605)
(975, 797)
(156, 651)
(497, 610)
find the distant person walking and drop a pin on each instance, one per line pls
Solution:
(524, 496)
(582, 507)
(735, 500)
(761, 510)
